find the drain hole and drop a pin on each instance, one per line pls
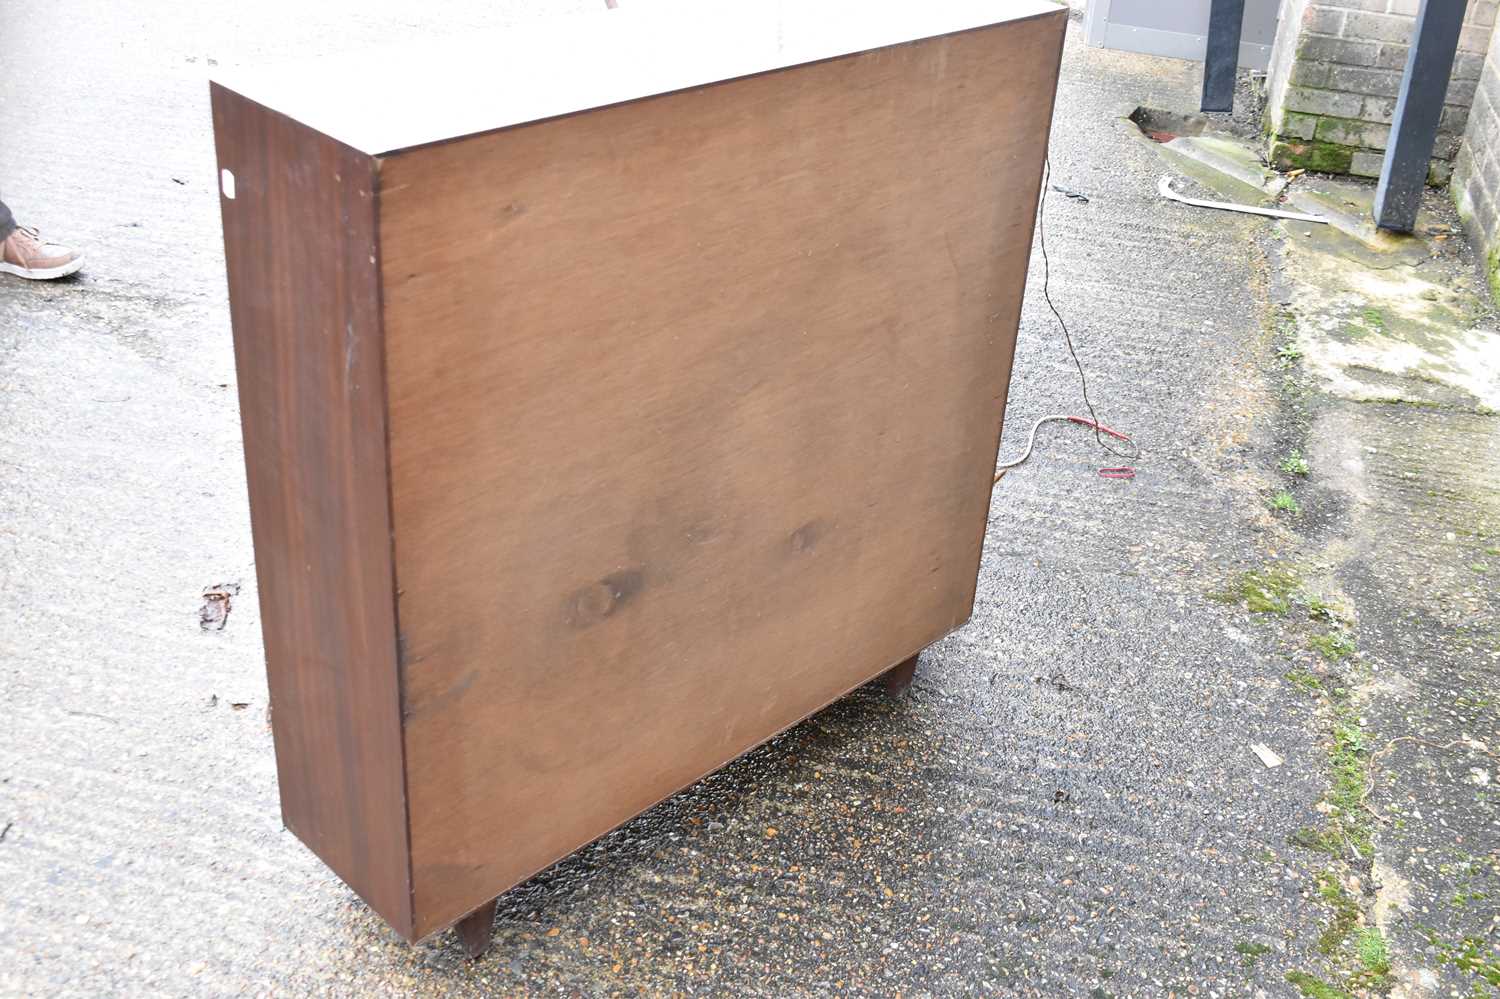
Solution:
(1164, 126)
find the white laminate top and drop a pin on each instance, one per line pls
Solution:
(414, 93)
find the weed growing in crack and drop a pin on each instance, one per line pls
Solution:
(1373, 953)
(1295, 464)
(1285, 502)
(1334, 646)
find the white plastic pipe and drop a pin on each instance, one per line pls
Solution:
(1164, 188)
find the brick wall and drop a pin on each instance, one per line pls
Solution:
(1476, 171)
(1335, 71)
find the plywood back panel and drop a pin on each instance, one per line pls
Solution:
(694, 404)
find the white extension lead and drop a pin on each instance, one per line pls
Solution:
(1121, 472)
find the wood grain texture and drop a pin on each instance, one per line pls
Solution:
(693, 412)
(300, 247)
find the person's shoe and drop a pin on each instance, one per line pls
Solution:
(25, 254)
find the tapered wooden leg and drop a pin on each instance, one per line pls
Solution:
(475, 930)
(899, 677)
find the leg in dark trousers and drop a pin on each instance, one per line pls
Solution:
(7, 222)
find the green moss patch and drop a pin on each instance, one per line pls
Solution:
(1492, 272)
(1474, 955)
(1317, 840)
(1313, 154)
(1357, 954)
(1340, 131)
(1250, 952)
(1396, 400)
(1349, 760)
(1263, 591)
(1315, 988)
(1305, 680)
(1345, 915)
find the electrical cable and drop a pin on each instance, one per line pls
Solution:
(1121, 472)
(1083, 381)
(1108, 473)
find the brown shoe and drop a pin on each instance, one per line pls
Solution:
(25, 254)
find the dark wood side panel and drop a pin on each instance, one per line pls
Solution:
(300, 243)
(694, 404)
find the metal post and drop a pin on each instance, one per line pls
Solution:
(1222, 59)
(1403, 174)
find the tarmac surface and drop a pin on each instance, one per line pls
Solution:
(1066, 803)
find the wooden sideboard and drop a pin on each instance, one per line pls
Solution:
(616, 392)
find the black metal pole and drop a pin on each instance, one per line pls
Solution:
(1429, 62)
(1222, 59)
